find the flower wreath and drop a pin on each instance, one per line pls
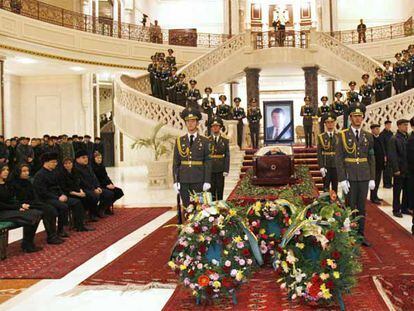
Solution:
(215, 252)
(320, 253)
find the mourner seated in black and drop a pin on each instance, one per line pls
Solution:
(106, 183)
(20, 214)
(91, 185)
(25, 194)
(48, 190)
(70, 182)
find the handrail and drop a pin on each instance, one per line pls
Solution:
(377, 33)
(107, 26)
(289, 38)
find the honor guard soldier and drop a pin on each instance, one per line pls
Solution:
(152, 68)
(208, 104)
(380, 157)
(366, 91)
(172, 81)
(326, 154)
(253, 117)
(399, 74)
(191, 162)
(307, 112)
(338, 106)
(193, 95)
(408, 69)
(223, 110)
(379, 84)
(355, 164)
(220, 158)
(239, 114)
(165, 75)
(389, 79)
(411, 56)
(385, 137)
(323, 113)
(170, 59)
(181, 89)
(352, 97)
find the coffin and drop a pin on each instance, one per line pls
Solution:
(273, 169)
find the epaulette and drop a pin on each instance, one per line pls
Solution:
(344, 130)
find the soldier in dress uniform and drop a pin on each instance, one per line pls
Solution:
(172, 81)
(366, 91)
(385, 137)
(191, 161)
(208, 104)
(181, 89)
(223, 110)
(165, 75)
(253, 117)
(307, 112)
(323, 112)
(193, 95)
(239, 114)
(411, 56)
(152, 68)
(355, 164)
(326, 154)
(157, 79)
(380, 157)
(220, 158)
(352, 97)
(170, 59)
(338, 106)
(379, 84)
(408, 69)
(399, 74)
(389, 79)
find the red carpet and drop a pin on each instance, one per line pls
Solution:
(55, 261)
(144, 263)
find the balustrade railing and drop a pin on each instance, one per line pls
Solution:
(107, 26)
(378, 33)
(272, 39)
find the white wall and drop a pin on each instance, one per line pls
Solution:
(11, 104)
(39, 104)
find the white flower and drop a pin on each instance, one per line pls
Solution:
(204, 228)
(214, 262)
(249, 261)
(233, 272)
(299, 290)
(290, 258)
(211, 219)
(240, 244)
(283, 286)
(294, 296)
(222, 233)
(200, 266)
(347, 225)
(242, 262)
(227, 263)
(189, 230)
(331, 219)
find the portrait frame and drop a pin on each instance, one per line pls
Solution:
(287, 133)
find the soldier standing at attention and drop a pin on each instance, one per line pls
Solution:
(193, 95)
(352, 97)
(170, 59)
(172, 81)
(366, 91)
(362, 29)
(165, 75)
(208, 104)
(408, 69)
(181, 89)
(385, 137)
(326, 154)
(253, 117)
(239, 114)
(399, 74)
(323, 113)
(389, 78)
(355, 164)
(223, 110)
(380, 159)
(379, 84)
(191, 162)
(152, 68)
(411, 56)
(307, 112)
(220, 159)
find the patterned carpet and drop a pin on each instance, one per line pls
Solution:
(55, 261)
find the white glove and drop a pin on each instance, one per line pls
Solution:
(206, 186)
(323, 171)
(371, 185)
(177, 187)
(225, 174)
(345, 186)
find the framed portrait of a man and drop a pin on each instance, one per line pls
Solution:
(278, 122)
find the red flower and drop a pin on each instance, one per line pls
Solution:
(226, 269)
(264, 236)
(287, 219)
(323, 263)
(336, 255)
(308, 214)
(191, 273)
(202, 249)
(315, 279)
(227, 282)
(180, 247)
(226, 241)
(314, 290)
(197, 229)
(213, 230)
(282, 232)
(246, 252)
(330, 284)
(251, 212)
(330, 235)
(203, 280)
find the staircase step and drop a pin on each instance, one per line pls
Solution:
(306, 155)
(245, 169)
(250, 151)
(248, 157)
(247, 163)
(306, 161)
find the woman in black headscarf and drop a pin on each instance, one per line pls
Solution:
(18, 213)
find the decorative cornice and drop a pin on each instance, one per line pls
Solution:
(69, 59)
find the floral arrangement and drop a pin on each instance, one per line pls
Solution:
(215, 251)
(320, 250)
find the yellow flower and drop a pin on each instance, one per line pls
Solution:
(232, 212)
(171, 264)
(336, 274)
(194, 293)
(330, 262)
(237, 239)
(300, 245)
(285, 266)
(201, 238)
(262, 231)
(226, 252)
(183, 267)
(216, 284)
(325, 292)
(324, 276)
(239, 275)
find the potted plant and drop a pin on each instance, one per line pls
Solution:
(161, 145)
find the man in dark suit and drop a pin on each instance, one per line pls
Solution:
(397, 155)
(410, 170)
(278, 130)
(385, 137)
(379, 162)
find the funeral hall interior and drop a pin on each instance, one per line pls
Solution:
(94, 95)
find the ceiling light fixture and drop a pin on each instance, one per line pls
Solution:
(77, 68)
(25, 60)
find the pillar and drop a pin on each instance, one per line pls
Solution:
(331, 89)
(311, 83)
(2, 94)
(252, 84)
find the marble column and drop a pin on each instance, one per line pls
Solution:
(311, 83)
(2, 94)
(252, 84)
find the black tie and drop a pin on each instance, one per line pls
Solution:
(216, 140)
(191, 140)
(357, 135)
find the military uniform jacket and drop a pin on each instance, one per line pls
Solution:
(338, 108)
(324, 110)
(192, 164)
(397, 153)
(181, 89)
(355, 161)
(254, 115)
(352, 97)
(307, 112)
(193, 95)
(388, 75)
(366, 90)
(172, 81)
(399, 68)
(238, 114)
(208, 104)
(170, 60)
(326, 150)
(224, 112)
(379, 84)
(220, 154)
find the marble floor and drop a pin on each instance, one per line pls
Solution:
(61, 294)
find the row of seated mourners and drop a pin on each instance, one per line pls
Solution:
(64, 194)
